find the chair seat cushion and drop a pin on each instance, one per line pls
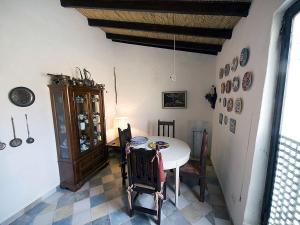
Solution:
(192, 167)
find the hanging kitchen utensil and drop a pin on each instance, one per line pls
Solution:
(29, 140)
(16, 141)
(2, 145)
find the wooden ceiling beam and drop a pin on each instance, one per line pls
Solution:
(224, 8)
(164, 43)
(170, 29)
(168, 47)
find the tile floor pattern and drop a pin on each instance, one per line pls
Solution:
(103, 201)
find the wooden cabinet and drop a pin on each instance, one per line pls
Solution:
(79, 123)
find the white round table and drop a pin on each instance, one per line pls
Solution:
(173, 157)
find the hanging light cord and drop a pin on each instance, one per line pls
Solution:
(174, 57)
(174, 54)
(115, 84)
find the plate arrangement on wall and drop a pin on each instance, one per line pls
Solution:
(221, 73)
(244, 58)
(235, 63)
(229, 104)
(224, 102)
(232, 125)
(225, 120)
(221, 118)
(227, 69)
(222, 88)
(236, 84)
(2, 145)
(247, 81)
(238, 105)
(228, 86)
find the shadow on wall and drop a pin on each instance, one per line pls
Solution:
(152, 128)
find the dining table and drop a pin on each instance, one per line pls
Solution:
(175, 155)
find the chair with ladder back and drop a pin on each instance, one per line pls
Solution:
(124, 137)
(145, 176)
(164, 125)
(197, 169)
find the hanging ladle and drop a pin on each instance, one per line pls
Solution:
(2, 145)
(29, 140)
(16, 141)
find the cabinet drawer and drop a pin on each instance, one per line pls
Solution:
(85, 166)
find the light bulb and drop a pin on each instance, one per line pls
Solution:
(173, 77)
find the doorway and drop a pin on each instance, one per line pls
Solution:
(282, 193)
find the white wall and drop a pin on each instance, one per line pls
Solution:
(143, 73)
(240, 159)
(37, 37)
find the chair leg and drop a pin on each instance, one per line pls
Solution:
(131, 210)
(165, 190)
(123, 172)
(180, 180)
(159, 211)
(202, 189)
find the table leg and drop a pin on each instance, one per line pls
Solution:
(176, 186)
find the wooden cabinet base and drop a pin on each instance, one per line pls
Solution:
(76, 186)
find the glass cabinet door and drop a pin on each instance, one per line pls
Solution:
(61, 128)
(83, 123)
(97, 131)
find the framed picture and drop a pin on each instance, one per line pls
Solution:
(174, 99)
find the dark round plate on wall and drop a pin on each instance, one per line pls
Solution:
(245, 54)
(21, 96)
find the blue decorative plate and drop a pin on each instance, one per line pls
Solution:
(138, 140)
(244, 56)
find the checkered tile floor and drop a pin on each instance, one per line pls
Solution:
(103, 201)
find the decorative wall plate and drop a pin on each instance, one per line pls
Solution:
(2, 145)
(247, 81)
(227, 69)
(228, 86)
(245, 53)
(222, 88)
(221, 73)
(225, 120)
(232, 125)
(238, 105)
(21, 96)
(229, 104)
(235, 63)
(224, 102)
(220, 118)
(236, 84)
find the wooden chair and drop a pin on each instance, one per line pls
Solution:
(124, 137)
(144, 177)
(196, 168)
(167, 124)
